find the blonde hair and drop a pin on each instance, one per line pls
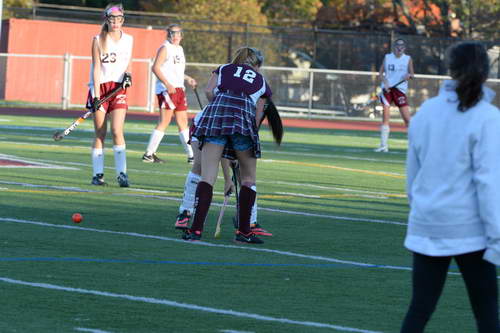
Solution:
(103, 35)
(248, 56)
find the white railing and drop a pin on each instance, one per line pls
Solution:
(298, 92)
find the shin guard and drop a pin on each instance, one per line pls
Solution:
(247, 199)
(202, 201)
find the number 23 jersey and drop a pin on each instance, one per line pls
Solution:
(115, 59)
(241, 79)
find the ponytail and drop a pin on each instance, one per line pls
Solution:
(274, 120)
(103, 35)
(469, 91)
(469, 67)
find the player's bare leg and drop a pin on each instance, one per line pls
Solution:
(405, 114)
(117, 124)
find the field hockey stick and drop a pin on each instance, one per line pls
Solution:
(374, 96)
(221, 214)
(394, 86)
(198, 97)
(236, 176)
(58, 136)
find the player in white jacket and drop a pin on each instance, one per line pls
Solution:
(453, 185)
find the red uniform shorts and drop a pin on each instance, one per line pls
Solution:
(119, 101)
(394, 95)
(176, 102)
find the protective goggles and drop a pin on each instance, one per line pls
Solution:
(115, 18)
(172, 33)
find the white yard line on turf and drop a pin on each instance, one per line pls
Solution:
(292, 153)
(322, 187)
(177, 240)
(192, 307)
(337, 218)
(305, 185)
(91, 330)
(347, 157)
(199, 243)
(32, 163)
(300, 195)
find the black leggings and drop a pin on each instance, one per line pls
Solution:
(429, 275)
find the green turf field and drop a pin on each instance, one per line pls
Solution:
(336, 261)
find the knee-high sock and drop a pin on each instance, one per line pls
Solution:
(184, 137)
(97, 160)
(247, 199)
(192, 181)
(120, 159)
(203, 199)
(384, 135)
(253, 217)
(154, 141)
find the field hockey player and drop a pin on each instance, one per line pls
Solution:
(111, 63)
(228, 128)
(395, 71)
(169, 66)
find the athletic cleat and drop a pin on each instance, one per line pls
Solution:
(122, 180)
(98, 179)
(151, 159)
(190, 160)
(182, 221)
(382, 149)
(249, 238)
(192, 236)
(258, 230)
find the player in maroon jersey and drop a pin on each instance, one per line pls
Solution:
(229, 128)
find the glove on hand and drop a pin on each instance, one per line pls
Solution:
(127, 80)
(95, 104)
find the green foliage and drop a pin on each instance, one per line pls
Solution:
(18, 3)
(6, 13)
(211, 41)
(291, 10)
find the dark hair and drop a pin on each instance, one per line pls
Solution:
(170, 27)
(274, 120)
(469, 66)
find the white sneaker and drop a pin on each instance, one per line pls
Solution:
(382, 149)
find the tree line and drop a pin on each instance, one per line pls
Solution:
(477, 19)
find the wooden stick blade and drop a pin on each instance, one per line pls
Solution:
(221, 215)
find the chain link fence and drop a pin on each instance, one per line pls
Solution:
(61, 81)
(215, 42)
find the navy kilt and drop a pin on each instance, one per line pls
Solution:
(227, 114)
